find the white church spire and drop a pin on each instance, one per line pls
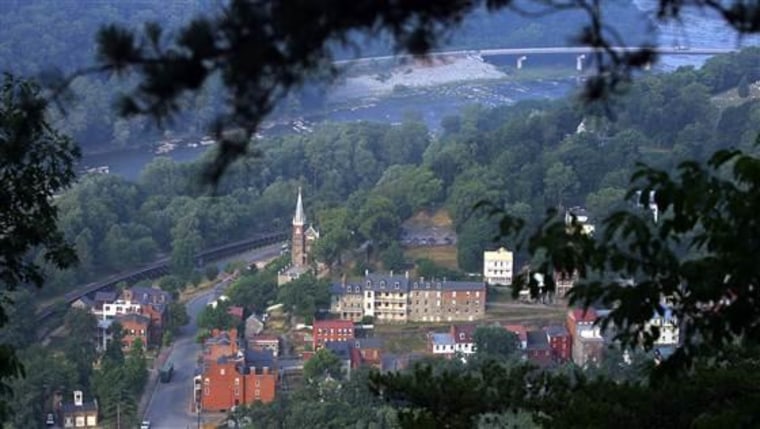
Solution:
(299, 218)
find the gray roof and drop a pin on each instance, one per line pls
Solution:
(105, 296)
(383, 283)
(341, 349)
(442, 339)
(368, 343)
(150, 295)
(537, 340)
(448, 285)
(133, 316)
(259, 358)
(69, 407)
(344, 289)
(556, 330)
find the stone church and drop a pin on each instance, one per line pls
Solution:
(302, 240)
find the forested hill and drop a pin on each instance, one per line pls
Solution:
(361, 180)
(36, 35)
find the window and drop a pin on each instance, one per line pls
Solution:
(369, 294)
(257, 393)
(258, 382)
(237, 381)
(237, 391)
(206, 391)
(221, 371)
(206, 381)
(477, 294)
(348, 288)
(454, 294)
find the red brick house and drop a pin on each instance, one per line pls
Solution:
(237, 380)
(560, 342)
(521, 332)
(264, 342)
(331, 330)
(134, 326)
(366, 351)
(220, 344)
(538, 350)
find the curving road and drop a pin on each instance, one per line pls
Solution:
(170, 404)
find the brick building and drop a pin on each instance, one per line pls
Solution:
(135, 326)
(560, 342)
(538, 350)
(331, 330)
(240, 379)
(367, 351)
(397, 298)
(463, 336)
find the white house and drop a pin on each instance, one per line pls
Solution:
(498, 267)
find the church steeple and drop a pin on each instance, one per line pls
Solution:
(299, 218)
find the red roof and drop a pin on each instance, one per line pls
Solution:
(520, 330)
(236, 311)
(337, 323)
(462, 333)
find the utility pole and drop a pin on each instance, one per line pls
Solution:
(118, 415)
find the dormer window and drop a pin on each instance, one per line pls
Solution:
(348, 288)
(396, 285)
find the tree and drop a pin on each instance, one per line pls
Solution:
(36, 162)
(560, 180)
(305, 295)
(495, 341)
(178, 316)
(393, 257)
(323, 363)
(211, 271)
(80, 348)
(378, 220)
(136, 368)
(216, 317)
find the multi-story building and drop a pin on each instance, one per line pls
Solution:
(386, 297)
(564, 282)
(239, 379)
(80, 413)
(668, 327)
(561, 343)
(538, 350)
(588, 345)
(331, 330)
(347, 301)
(135, 326)
(498, 266)
(446, 301)
(396, 298)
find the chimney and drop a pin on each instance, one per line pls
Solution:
(78, 398)
(406, 274)
(391, 275)
(366, 272)
(343, 279)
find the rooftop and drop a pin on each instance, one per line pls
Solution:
(537, 340)
(442, 339)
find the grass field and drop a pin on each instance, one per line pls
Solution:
(441, 255)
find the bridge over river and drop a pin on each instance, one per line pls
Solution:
(522, 54)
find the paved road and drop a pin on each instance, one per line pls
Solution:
(170, 406)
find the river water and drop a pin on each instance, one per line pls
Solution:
(697, 29)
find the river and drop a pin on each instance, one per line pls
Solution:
(698, 29)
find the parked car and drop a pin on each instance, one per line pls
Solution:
(50, 419)
(145, 424)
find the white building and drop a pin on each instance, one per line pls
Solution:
(498, 267)
(118, 307)
(668, 326)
